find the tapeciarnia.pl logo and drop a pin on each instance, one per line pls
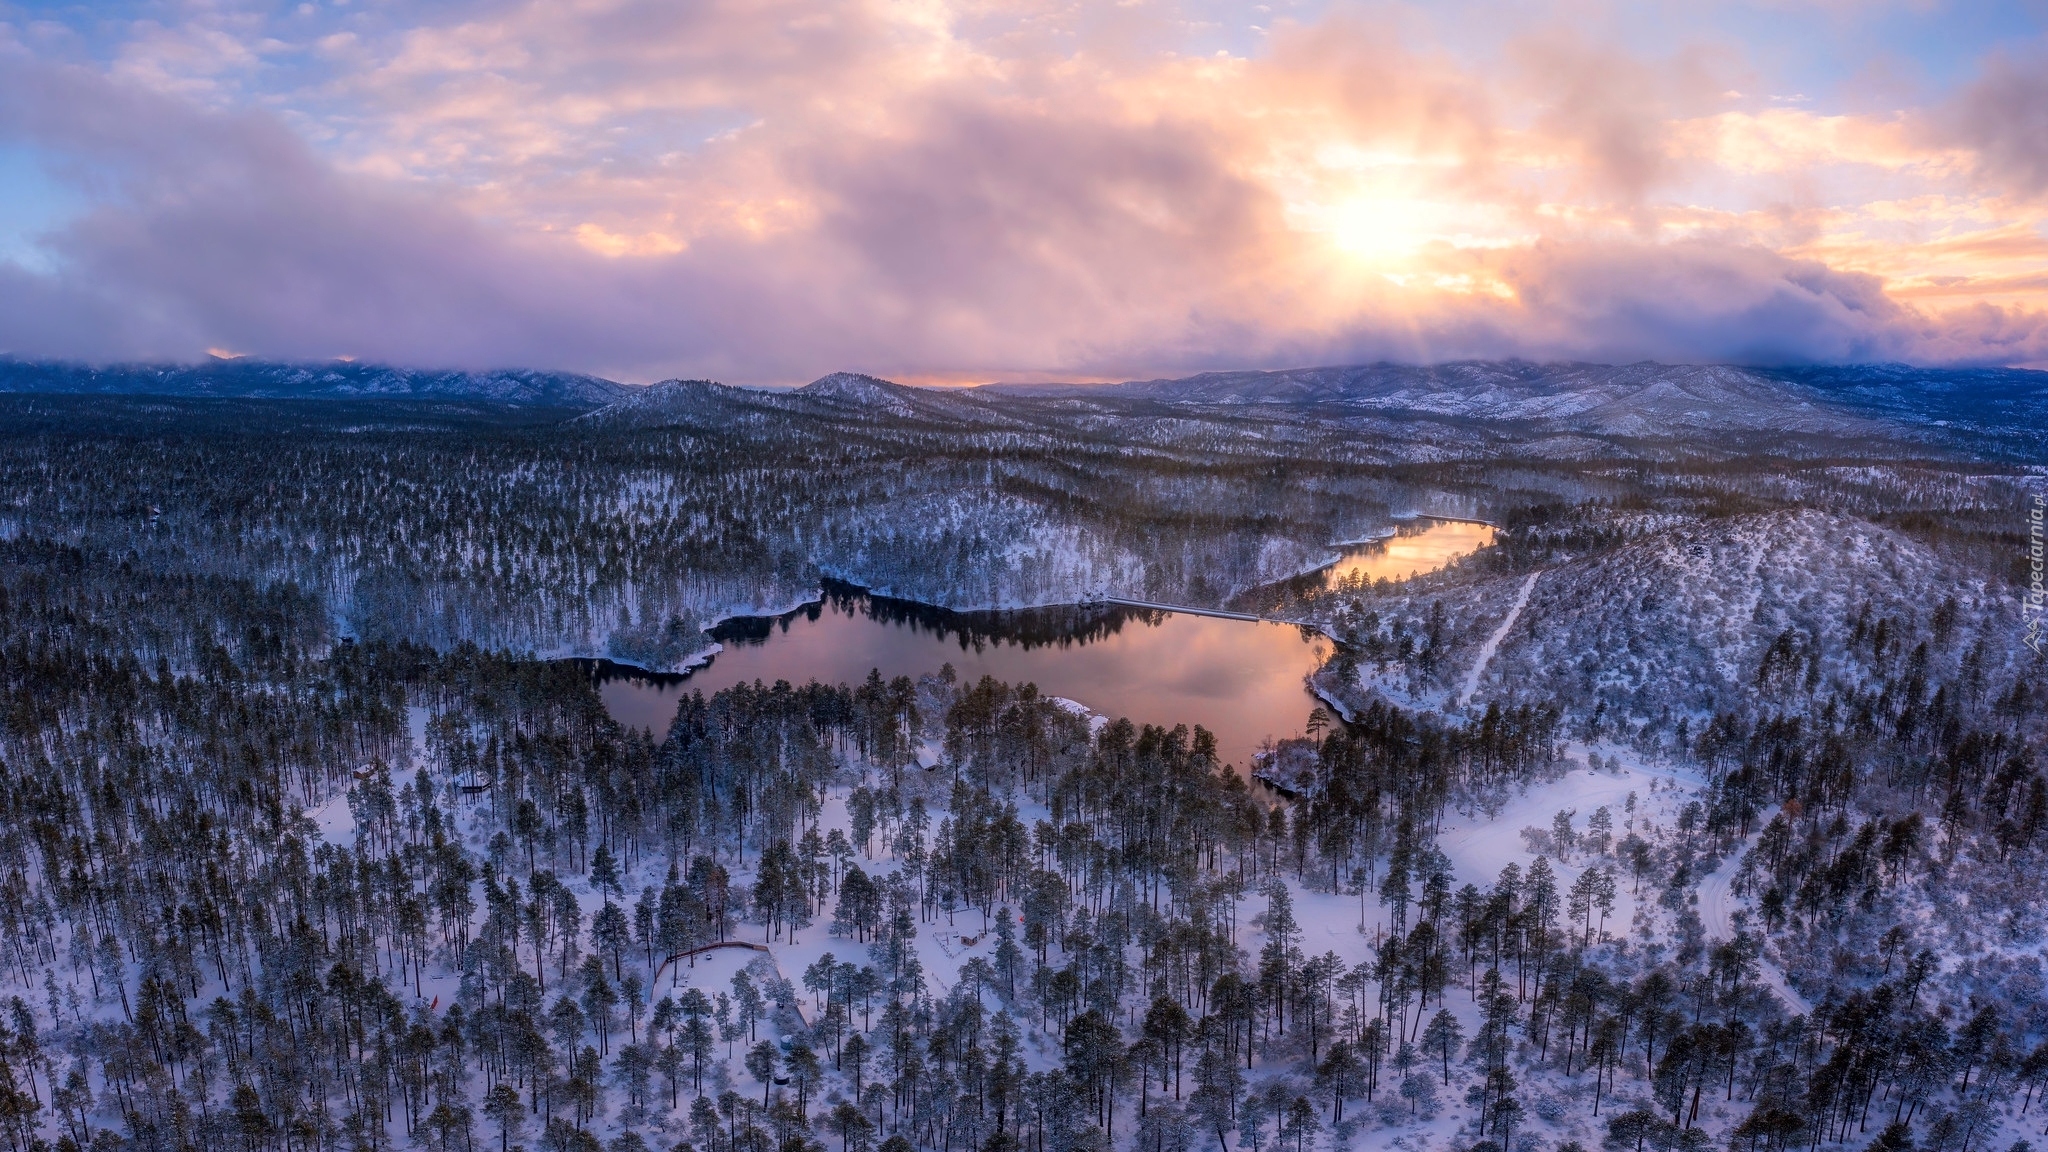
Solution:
(2036, 602)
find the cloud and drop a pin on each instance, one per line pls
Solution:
(766, 192)
(2003, 119)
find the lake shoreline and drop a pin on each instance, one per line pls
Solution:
(1246, 677)
(703, 657)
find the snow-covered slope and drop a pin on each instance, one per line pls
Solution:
(1682, 618)
(860, 388)
(857, 393)
(683, 402)
(1998, 403)
(1679, 619)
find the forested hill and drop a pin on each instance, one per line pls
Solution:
(2004, 409)
(336, 379)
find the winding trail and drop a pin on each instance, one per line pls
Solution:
(1718, 903)
(1492, 644)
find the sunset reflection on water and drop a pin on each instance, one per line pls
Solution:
(1242, 680)
(1424, 547)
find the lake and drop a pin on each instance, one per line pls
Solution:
(1414, 548)
(1243, 680)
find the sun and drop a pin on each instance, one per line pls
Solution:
(1383, 231)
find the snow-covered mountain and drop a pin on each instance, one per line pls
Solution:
(2003, 408)
(684, 403)
(859, 388)
(858, 392)
(1632, 400)
(2009, 404)
(337, 379)
(837, 398)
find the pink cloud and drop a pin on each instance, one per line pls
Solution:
(2003, 120)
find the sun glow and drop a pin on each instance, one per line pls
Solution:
(1390, 214)
(607, 243)
(1383, 230)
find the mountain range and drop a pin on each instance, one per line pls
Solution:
(1631, 400)
(2001, 409)
(336, 379)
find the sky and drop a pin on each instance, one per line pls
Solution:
(766, 191)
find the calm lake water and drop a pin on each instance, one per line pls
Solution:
(1242, 680)
(1415, 548)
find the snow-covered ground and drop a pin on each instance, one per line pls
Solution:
(1640, 795)
(1482, 845)
(1718, 907)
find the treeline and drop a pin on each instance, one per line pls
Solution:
(626, 539)
(439, 524)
